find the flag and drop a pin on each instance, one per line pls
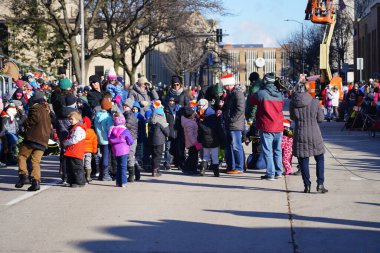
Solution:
(342, 5)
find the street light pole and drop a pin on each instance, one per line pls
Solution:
(82, 81)
(302, 54)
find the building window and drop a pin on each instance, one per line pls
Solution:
(196, 22)
(99, 71)
(98, 33)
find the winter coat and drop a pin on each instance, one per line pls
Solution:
(8, 125)
(94, 97)
(132, 123)
(179, 96)
(306, 113)
(333, 96)
(269, 116)
(158, 130)
(61, 109)
(138, 95)
(233, 111)
(190, 129)
(171, 115)
(75, 142)
(210, 131)
(38, 125)
(120, 139)
(91, 141)
(250, 112)
(102, 123)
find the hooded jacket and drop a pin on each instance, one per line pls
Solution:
(138, 95)
(250, 112)
(190, 129)
(306, 113)
(120, 139)
(102, 123)
(269, 116)
(91, 141)
(210, 132)
(158, 130)
(75, 142)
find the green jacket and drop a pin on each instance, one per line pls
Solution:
(250, 110)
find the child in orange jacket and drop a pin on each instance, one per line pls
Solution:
(74, 151)
(90, 147)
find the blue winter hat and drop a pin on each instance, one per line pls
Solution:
(137, 105)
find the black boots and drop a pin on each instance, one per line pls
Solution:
(137, 172)
(215, 169)
(131, 174)
(307, 189)
(156, 172)
(35, 186)
(202, 168)
(23, 179)
(321, 188)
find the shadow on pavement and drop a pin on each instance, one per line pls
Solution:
(238, 187)
(183, 236)
(369, 203)
(270, 215)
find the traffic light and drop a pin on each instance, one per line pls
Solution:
(219, 35)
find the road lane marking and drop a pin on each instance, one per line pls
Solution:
(31, 194)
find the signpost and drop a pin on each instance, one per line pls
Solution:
(360, 66)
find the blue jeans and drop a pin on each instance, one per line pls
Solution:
(304, 163)
(234, 151)
(121, 173)
(272, 152)
(168, 157)
(105, 151)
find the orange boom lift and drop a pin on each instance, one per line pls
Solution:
(323, 12)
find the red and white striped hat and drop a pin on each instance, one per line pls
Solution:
(287, 123)
(228, 79)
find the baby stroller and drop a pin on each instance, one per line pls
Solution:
(255, 160)
(53, 145)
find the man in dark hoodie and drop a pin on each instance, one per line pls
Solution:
(269, 121)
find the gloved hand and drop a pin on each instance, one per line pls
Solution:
(117, 99)
(198, 146)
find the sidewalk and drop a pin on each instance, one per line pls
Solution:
(178, 213)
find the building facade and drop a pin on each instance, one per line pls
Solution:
(367, 41)
(242, 60)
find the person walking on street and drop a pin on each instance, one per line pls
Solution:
(37, 133)
(234, 122)
(269, 121)
(307, 141)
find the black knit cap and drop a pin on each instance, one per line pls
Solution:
(254, 76)
(176, 79)
(188, 112)
(94, 79)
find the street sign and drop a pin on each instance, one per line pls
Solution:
(359, 63)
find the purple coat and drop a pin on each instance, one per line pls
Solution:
(120, 139)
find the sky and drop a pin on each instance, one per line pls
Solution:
(261, 21)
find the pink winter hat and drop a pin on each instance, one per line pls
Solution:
(111, 74)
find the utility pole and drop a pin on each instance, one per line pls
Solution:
(82, 81)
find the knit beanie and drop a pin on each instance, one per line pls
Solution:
(128, 102)
(70, 100)
(65, 84)
(94, 79)
(38, 97)
(188, 112)
(193, 103)
(120, 120)
(286, 123)
(254, 76)
(176, 79)
(106, 104)
(20, 83)
(269, 78)
(203, 103)
(228, 79)
(111, 74)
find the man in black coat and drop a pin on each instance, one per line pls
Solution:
(234, 121)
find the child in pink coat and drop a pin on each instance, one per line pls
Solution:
(287, 148)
